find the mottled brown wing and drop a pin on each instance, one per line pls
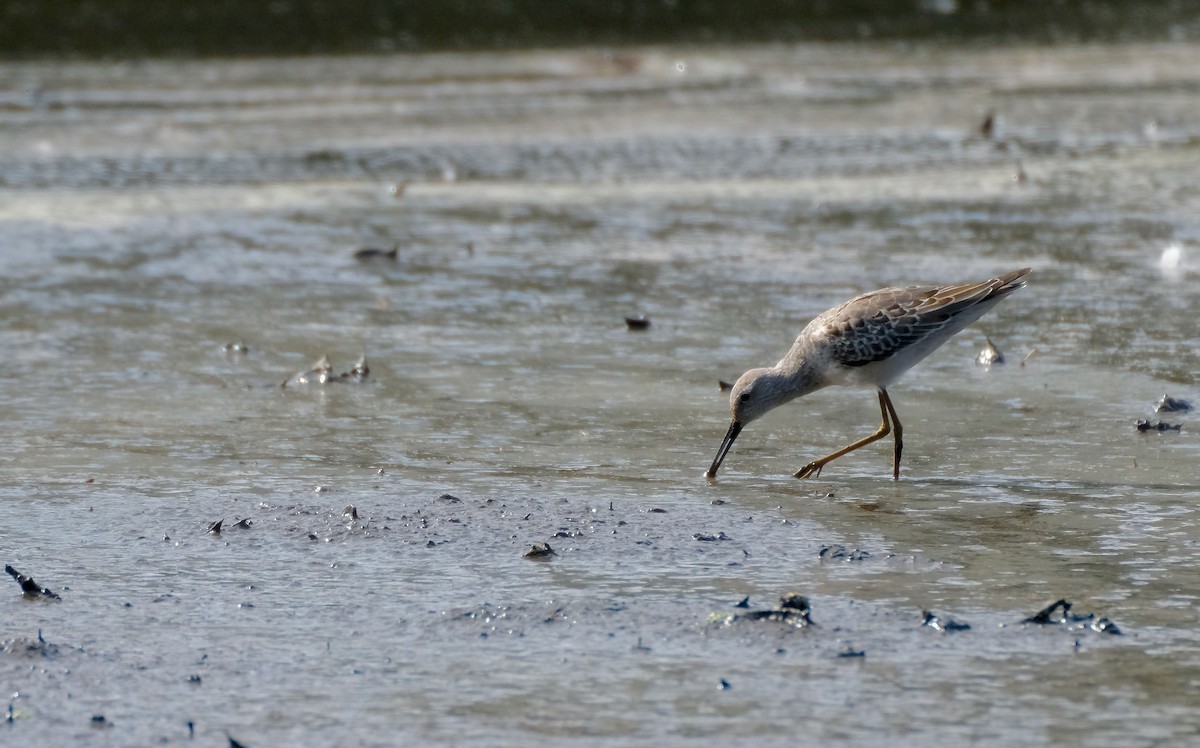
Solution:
(877, 325)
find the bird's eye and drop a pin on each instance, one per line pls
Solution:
(745, 397)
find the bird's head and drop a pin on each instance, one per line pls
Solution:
(752, 396)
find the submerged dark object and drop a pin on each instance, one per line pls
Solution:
(1059, 613)
(989, 355)
(1170, 404)
(936, 623)
(640, 322)
(1144, 425)
(30, 587)
(374, 253)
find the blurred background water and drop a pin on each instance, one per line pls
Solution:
(181, 221)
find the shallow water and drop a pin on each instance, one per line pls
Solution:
(154, 213)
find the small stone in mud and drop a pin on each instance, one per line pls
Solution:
(350, 511)
(1170, 404)
(215, 527)
(931, 620)
(539, 551)
(30, 587)
(989, 355)
(640, 322)
(374, 253)
(1144, 425)
(724, 386)
(450, 499)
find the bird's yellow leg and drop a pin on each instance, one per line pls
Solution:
(813, 469)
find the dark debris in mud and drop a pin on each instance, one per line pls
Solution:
(321, 372)
(1143, 425)
(1058, 613)
(29, 587)
(367, 254)
(539, 551)
(945, 625)
(637, 323)
(793, 610)
(990, 355)
(842, 552)
(1170, 404)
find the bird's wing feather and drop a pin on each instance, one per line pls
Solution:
(877, 325)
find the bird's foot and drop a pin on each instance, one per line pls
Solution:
(811, 470)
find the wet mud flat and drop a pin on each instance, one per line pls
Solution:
(498, 530)
(476, 620)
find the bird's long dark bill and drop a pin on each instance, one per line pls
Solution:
(735, 428)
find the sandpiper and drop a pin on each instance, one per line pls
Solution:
(870, 340)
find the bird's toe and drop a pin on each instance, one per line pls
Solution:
(811, 470)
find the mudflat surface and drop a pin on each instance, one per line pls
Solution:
(178, 239)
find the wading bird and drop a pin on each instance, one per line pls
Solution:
(869, 340)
